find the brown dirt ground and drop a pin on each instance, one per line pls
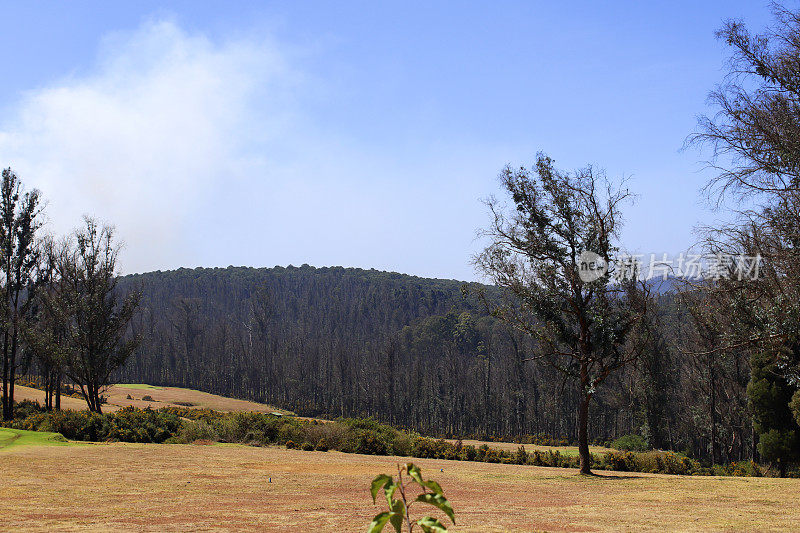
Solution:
(148, 487)
(162, 397)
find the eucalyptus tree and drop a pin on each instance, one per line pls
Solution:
(44, 335)
(754, 135)
(552, 255)
(94, 313)
(754, 138)
(19, 221)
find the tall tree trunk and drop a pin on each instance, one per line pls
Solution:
(487, 394)
(7, 414)
(583, 421)
(11, 379)
(583, 434)
(58, 391)
(713, 412)
(48, 389)
(12, 368)
(97, 404)
(5, 387)
(521, 387)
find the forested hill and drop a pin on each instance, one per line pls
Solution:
(296, 336)
(410, 351)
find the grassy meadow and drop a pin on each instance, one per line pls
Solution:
(48, 483)
(151, 487)
(17, 438)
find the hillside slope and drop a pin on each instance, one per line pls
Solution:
(144, 396)
(300, 337)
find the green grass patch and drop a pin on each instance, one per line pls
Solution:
(13, 438)
(569, 451)
(137, 386)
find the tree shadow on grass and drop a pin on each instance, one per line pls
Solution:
(595, 475)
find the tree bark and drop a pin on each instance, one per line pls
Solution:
(12, 374)
(58, 391)
(7, 406)
(713, 412)
(5, 386)
(583, 432)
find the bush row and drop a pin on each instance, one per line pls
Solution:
(127, 425)
(654, 462)
(365, 436)
(347, 435)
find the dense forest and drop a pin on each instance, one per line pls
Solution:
(415, 352)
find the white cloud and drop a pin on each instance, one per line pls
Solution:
(210, 153)
(162, 124)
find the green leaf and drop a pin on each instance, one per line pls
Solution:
(435, 487)
(376, 526)
(389, 489)
(397, 515)
(377, 483)
(431, 525)
(437, 500)
(415, 473)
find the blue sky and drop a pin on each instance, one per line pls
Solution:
(350, 133)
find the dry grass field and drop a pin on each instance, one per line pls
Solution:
(160, 397)
(148, 487)
(512, 447)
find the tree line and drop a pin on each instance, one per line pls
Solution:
(61, 311)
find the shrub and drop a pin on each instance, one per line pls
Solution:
(287, 432)
(492, 456)
(196, 430)
(521, 456)
(435, 449)
(307, 447)
(26, 408)
(468, 453)
(74, 425)
(370, 443)
(745, 468)
(147, 398)
(335, 435)
(620, 461)
(537, 458)
(403, 443)
(290, 445)
(482, 451)
(141, 425)
(321, 446)
(554, 458)
(630, 443)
